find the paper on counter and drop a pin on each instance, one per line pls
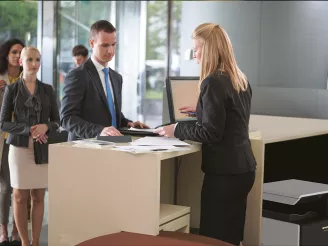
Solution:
(142, 129)
(158, 141)
(255, 134)
(93, 143)
(149, 149)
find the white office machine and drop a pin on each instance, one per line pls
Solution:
(295, 213)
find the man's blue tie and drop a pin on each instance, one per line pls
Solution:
(110, 97)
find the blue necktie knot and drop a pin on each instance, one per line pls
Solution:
(110, 97)
(105, 70)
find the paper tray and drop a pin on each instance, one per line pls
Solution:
(292, 191)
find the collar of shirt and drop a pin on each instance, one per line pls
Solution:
(101, 73)
(12, 79)
(98, 66)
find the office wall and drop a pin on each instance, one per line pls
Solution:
(279, 45)
(241, 20)
(290, 102)
(293, 60)
(294, 51)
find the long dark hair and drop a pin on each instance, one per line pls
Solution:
(4, 51)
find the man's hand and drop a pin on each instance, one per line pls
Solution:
(166, 131)
(138, 124)
(3, 84)
(110, 131)
(38, 132)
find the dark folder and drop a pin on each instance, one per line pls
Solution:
(127, 131)
(115, 139)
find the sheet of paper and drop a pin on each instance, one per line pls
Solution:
(159, 141)
(142, 129)
(93, 143)
(148, 149)
(255, 134)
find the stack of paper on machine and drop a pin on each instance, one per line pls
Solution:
(151, 144)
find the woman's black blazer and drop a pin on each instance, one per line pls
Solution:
(13, 106)
(222, 126)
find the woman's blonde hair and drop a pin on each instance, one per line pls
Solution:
(217, 55)
(27, 48)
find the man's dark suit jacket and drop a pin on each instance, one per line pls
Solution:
(84, 108)
(222, 126)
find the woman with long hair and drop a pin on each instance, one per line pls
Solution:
(10, 71)
(29, 113)
(223, 112)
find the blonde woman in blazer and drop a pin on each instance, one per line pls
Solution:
(10, 71)
(222, 112)
(29, 113)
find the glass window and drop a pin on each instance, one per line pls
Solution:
(175, 38)
(155, 65)
(87, 13)
(66, 40)
(19, 20)
(128, 54)
(141, 52)
(74, 21)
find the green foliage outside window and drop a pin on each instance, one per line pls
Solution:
(17, 19)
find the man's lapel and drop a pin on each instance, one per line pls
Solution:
(96, 80)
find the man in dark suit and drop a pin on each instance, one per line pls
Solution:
(91, 102)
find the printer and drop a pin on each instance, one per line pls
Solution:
(295, 213)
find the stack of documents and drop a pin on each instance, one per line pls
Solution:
(154, 144)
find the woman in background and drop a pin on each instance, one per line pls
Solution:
(10, 71)
(223, 112)
(35, 113)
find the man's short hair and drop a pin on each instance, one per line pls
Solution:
(80, 50)
(101, 25)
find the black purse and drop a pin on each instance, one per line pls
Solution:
(40, 152)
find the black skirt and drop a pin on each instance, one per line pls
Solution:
(223, 206)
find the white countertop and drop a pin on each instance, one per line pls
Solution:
(276, 129)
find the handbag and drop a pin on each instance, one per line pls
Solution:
(40, 152)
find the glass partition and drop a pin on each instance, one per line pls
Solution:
(74, 21)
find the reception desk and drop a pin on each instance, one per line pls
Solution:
(286, 148)
(95, 192)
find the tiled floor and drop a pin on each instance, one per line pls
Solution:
(44, 232)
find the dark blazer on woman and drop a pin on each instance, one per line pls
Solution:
(14, 104)
(222, 126)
